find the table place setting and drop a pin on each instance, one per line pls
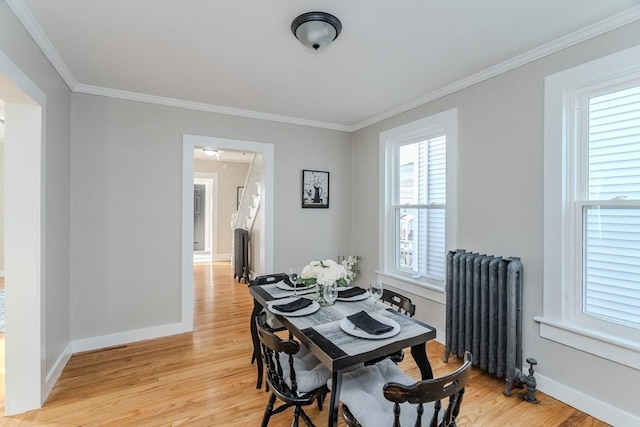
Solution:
(284, 290)
(293, 306)
(352, 293)
(343, 334)
(287, 286)
(371, 326)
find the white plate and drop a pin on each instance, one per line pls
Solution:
(303, 312)
(285, 287)
(355, 298)
(348, 327)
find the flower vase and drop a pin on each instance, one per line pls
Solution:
(322, 297)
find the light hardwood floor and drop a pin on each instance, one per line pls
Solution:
(204, 378)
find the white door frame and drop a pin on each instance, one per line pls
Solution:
(25, 337)
(189, 143)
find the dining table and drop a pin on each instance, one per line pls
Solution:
(323, 332)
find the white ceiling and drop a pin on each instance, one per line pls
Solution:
(239, 56)
(225, 156)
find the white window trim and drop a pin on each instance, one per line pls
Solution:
(447, 121)
(555, 322)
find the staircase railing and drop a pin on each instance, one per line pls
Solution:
(250, 201)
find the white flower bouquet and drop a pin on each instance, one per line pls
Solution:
(324, 273)
(349, 264)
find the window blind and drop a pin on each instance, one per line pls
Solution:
(611, 241)
(437, 194)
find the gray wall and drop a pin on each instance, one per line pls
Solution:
(1, 206)
(126, 163)
(18, 45)
(229, 179)
(500, 201)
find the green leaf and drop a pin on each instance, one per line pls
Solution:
(308, 282)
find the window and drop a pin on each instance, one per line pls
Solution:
(417, 214)
(592, 208)
(607, 204)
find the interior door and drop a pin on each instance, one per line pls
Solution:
(198, 217)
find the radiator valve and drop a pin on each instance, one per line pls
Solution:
(529, 381)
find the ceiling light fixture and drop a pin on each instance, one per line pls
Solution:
(212, 153)
(316, 29)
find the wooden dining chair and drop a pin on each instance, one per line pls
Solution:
(400, 302)
(403, 305)
(273, 325)
(269, 278)
(266, 280)
(383, 395)
(294, 375)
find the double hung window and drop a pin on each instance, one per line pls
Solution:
(607, 204)
(416, 199)
(592, 208)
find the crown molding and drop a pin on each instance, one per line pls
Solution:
(31, 25)
(29, 22)
(189, 105)
(626, 17)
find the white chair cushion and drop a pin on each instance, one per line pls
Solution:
(310, 372)
(362, 392)
(272, 321)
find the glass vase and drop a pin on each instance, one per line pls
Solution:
(322, 298)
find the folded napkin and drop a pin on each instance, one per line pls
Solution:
(287, 281)
(348, 293)
(292, 306)
(363, 321)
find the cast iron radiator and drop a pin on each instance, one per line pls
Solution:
(484, 312)
(241, 255)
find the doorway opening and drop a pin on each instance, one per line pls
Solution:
(265, 249)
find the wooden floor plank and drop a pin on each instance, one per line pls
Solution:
(204, 378)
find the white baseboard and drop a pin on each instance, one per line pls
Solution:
(96, 343)
(104, 341)
(55, 372)
(587, 404)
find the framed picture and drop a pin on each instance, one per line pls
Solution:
(239, 193)
(315, 189)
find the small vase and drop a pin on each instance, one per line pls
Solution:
(324, 294)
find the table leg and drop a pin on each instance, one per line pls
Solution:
(336, 385)
(257, 308)
(419, 353)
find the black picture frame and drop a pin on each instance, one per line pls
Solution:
(315, 189)
(239, 193)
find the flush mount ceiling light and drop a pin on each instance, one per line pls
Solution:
(316, 29)
(212, 153)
